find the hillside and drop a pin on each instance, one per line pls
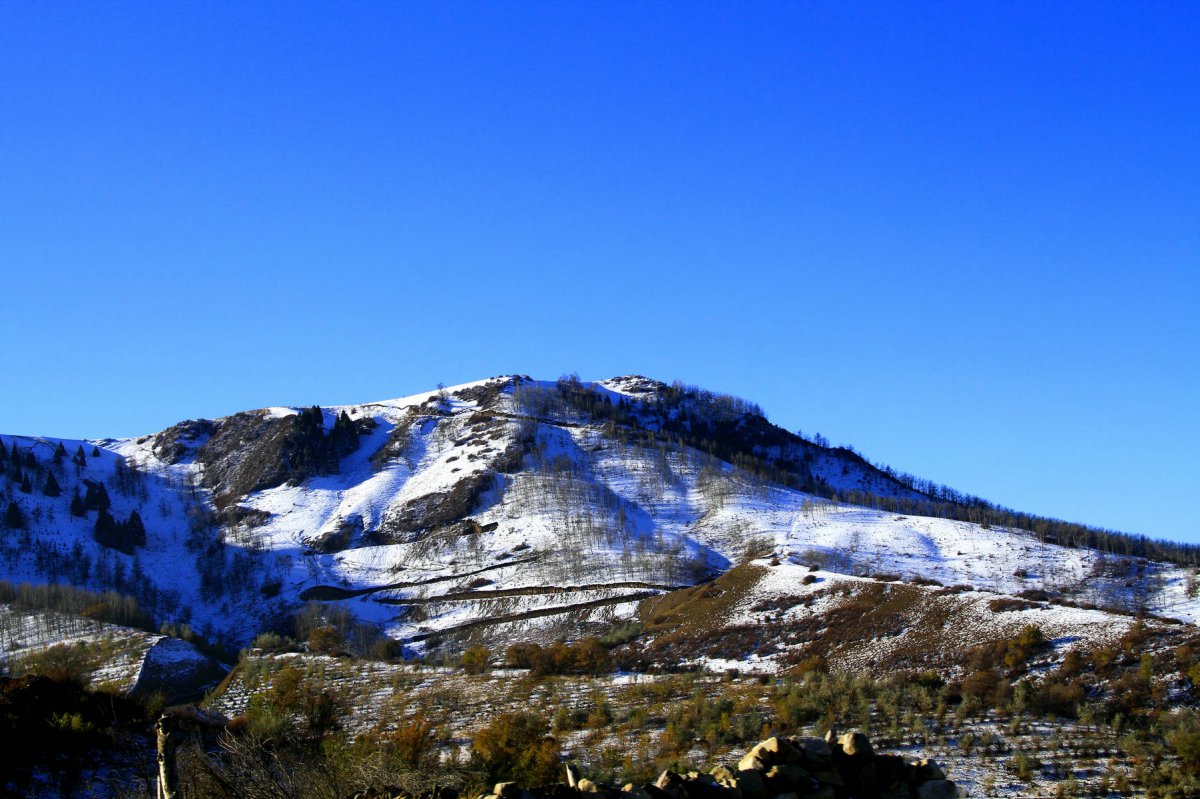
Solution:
(513, 509)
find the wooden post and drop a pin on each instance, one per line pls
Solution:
(168, 771)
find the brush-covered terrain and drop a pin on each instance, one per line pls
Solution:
(565, 527)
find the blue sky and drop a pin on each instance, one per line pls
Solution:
(964, 238)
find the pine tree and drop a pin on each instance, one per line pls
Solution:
(3, 451)
(77, 508)
(30, 459)
(96, 496)
(106, 529)
(52, 488)
(135, 531)
(26, 486)
(14, 518)
(16, 453)
(95, 451)
(79, 459)
(60, 452)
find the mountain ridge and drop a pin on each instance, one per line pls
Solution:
(516, 507)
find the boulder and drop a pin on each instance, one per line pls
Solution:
(937, 789)
(897, 791)
(774, 751)
(652, 791)
(926, 770)
(672, 783)
(750, 783)
(856, 743)
(751, 762)
(783, 779)
(724, 775)
(587, 786)
(813, 749)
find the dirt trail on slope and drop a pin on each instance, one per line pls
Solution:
(534, 590)
(531, 614)
(326, 593)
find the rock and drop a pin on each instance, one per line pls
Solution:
(507, 790)
(830, 737)
(792, 773)
(587, 786)
(652, 791)
(813, 749)
(937, 789)
(773, 751)
(897, 791)
(572, 775)
(705, 787)
(784, 779)
(724, 776)
(928, 770)
(856, 743)
(666, 778)
(176, 669)
(750, 783)
(751, 762)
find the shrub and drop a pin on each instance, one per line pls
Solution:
(516, 747)
(521, 655)
(474, 660)
(1186, 745)
(293, 698)
(412, 745)
(69, 663)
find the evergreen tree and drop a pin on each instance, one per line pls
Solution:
(95, 497)
(135, 531)
(77, 508)
(26, 486)
(14, 518)
(3, 451)
(52, 488)
(16, 453)
(95, 451)
(106, 529)
(60, 452)
(30, 459)
(79, 459)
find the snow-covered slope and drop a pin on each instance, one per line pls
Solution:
(519, 507)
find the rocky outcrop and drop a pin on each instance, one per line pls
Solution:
(176, 670)
(777, 768)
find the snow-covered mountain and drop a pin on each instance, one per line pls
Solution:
(523, 508)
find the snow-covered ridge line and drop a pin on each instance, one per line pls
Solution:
(506, 499)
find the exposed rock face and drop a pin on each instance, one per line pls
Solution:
(246, 452)
(437, 509)
(777, 768)
(176, 669)
(182, 440)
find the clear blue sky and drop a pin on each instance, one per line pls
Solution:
(963, 237)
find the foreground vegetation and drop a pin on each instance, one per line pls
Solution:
(1105, 723)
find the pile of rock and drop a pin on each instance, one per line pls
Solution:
(777, 768)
